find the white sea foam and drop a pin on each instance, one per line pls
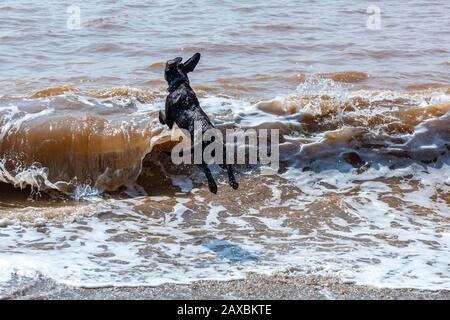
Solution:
(384, 226)
(373, 244)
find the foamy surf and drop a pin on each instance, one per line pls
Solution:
(370, 238)
(362, 194)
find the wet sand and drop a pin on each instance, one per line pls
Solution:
(278, 286)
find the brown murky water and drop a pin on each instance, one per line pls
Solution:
(87, 197)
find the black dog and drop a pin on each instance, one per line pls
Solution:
(183, 108)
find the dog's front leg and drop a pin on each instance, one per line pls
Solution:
(162, 117)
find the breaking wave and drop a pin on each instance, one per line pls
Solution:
(362, 192)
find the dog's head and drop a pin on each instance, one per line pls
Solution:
(176, 70)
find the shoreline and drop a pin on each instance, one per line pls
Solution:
(253, 287)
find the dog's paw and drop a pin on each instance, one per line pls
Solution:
(213, 188)
(234, 185)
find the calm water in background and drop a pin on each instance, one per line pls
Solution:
(119, 42)
(363, 194)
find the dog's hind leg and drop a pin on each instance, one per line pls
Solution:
(231, 178)
(211, 183)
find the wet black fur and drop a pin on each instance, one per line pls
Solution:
(183, 108)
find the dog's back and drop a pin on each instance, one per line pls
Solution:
(183, 107)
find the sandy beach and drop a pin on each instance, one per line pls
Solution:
(259, 287)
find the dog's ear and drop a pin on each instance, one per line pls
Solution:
(190, 64)
(174, 62)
